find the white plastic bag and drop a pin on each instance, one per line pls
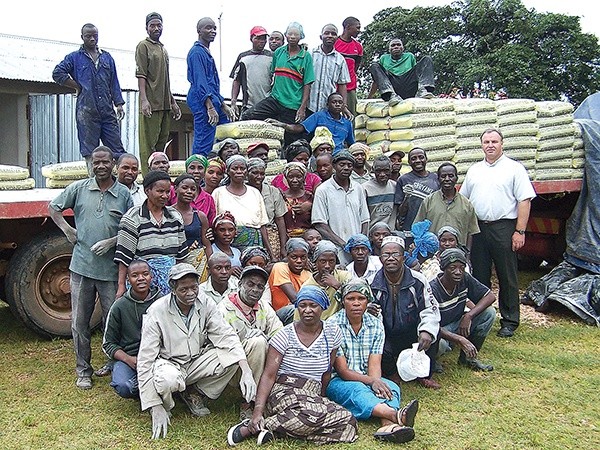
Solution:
(413, 364)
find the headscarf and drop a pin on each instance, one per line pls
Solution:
(251, 252)
(343, 155)
(426, 243)
(356, 240)
(322, 136)
(154, 155)
(216, 162)
(234, 159)
(294, 165)
(452, 255)
(200, 158)
(324, 246)
(225, 142)
(256, 163)
(224, 217)
(296, 148)
(297, 26)
(296, 244)
(359, 147)
(355, 285)
(377, 225)
(314, 294)
(447, 228)
(153, 176)
(393, 240)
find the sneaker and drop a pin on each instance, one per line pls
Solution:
(104, 371)
(394, 100)
(264, 437)
(194, 401)
(234, 435)
(84, 383)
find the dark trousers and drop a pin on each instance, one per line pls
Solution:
(269, 108)
(493, 245)
(395, 344)
(93, 128)
(407, 84)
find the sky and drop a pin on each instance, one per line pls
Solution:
(121, 24)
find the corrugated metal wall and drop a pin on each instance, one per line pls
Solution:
(43, 132)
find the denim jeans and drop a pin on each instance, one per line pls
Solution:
(124, 380)
(480, 328)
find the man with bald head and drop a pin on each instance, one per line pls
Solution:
(398, 75)
(204, 97)
(221, 281)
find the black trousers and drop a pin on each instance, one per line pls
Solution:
(407, 84)
(395, 344)
(493, 245)
(269, 108)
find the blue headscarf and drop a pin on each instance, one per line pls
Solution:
(298, 27)
(426, 242)
(357, 240)
(314, 294)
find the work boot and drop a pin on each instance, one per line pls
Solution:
(474, 363)
(394, 100)
(194, 401)
(424, 93)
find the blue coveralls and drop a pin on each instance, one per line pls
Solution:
(99, 91)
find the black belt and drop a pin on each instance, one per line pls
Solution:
(492, 222)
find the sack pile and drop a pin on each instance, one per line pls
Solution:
(15, 178)
(247, 132)
(60, 175)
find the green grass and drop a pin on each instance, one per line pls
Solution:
(543, 393)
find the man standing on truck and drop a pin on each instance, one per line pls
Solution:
(501, 193)
(92, 73)
(98, 204)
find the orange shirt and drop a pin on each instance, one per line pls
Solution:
(281, 274)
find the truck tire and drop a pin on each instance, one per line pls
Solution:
(38, 288)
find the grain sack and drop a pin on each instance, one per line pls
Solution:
(565, 163)
(557, 131)
(473, 105)
(421, 105)
(433, 166)
(462, 167)
(514, 105)
(76, 170)
(360, 121)
(378, 123)
(361, 134)
(176, 168)
(384, 146)
(468, 155)
(422, 120)
(17, 185)
(440, 155)
(473, 130)
(9, 173)
(275, 167)
(520, 142)
(428, 144)
(578, 152)
(55, 183)
(377, 109)
(361, 105)
(520, 129)
(255, 129)
(556, 120)
(578, 131)
(531, 174)
(244, 143)
(485, 117)
(553, 108)
(410, 133)
(578, 144)
(577, 174)
(561, 143)
(374, 153)
(553, 174)
(519, 117)
(272, 155)
(554, 154)
(525, 156)
(468, 143)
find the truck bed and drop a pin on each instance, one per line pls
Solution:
(26, 203)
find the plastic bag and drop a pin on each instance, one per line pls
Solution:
(413, 364)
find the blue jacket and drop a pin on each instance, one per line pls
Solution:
(99, 84)
(204, 79)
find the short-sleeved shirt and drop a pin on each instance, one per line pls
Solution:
(398, 66)
(331, 70)
(357, 348)
(253, 72)
(341, 130)
(309, 362)
(373, 266)
(452, 305)
(248, 208)
(380, 201)
(207, 289)
(505, 181)
(421, 188)
(152, 64)
(290, 75)
(274, 202)
(458, 213)
(97, 216)
(281, 274)
(352, 51)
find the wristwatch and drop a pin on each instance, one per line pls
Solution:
(520, 231)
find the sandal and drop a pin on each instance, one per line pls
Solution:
(406, 416)
(395, 433)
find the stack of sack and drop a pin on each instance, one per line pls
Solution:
(176, 168)
(578, 161)
(60, 175)
(15, 178)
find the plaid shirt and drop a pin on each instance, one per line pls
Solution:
(357, 348)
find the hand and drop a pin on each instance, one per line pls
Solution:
(329, 280)
(518, 241)
(120, 112)
(381, 389)
(256, 424)
(71, 234)
(146, 108)
(248, 385)
(300, 115)
(228, 112)
(464, 327)
(213, 116)
(275, 122)
(347, 114)
(160, 421)
(467, 347)
(132, 362)
(175, 111)
(120, 291)
(302, 208)
(101, 247)
(234, 109)
(425, 340)
(193, 246)
(374, 309)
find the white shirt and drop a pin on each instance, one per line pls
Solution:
(496, 189)
(373, 266)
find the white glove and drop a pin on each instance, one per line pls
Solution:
(248, 386)
(101, 247)
(160, 421)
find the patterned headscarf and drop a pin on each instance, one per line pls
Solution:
(447, 228)
(216, 162)
(224, 142)
(358, 147)
(322, 136)
(200, 158)
(314, 294)
(343, 155)
(154, 155)
(393, 240)
(357, 240)
(355, 285)
(296, 244)
(378, 225)
(324, 246)
(234, 159)
(251, 252)
(297, 26)
(256, 163)
(452, 255)
(224, 217)
(294, 165)
(296, 148)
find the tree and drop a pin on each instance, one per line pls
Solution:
(492, 43)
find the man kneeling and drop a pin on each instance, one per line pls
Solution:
(460, 325)
(187, 347)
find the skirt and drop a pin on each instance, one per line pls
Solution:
(247, 237)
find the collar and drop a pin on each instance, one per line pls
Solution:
(380, 282)
(319, 49)
(444, 199)
(175, 309)
(146, 212)
(502, 157)
(153, 42)
(340, 188)
(301, 53)
(234, 298)
(93, 186)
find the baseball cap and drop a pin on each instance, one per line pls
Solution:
(393, 152)
(258, 31)
(256, 145)
(254, 270)
(181, 270)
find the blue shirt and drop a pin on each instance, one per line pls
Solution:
(98, 82)
(203, 77)
(341, 130)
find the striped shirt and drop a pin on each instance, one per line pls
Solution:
(308, 362)
(140, 235)
(357, 348)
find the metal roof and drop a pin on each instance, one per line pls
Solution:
(33, 59)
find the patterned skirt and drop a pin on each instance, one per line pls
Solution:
(296, 409)
(159, 268)
(247, 237)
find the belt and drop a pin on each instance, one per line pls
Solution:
(491, 222)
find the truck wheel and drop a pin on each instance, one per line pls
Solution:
(37, 285)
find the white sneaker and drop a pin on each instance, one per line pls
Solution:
(84, 383)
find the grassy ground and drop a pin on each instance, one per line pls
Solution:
(543, 393)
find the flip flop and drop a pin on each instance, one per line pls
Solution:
(406, 416)
(395, 433)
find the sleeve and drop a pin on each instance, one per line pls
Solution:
(350, 134)
(429, 310)
(309, 72)
(112, 332)
(344, 73)
(472, 223)
(465, 187)
(423, 212)
(115, 88)
(280, 341)
(66, 199)
(222, 336)
(127, 240)
(399, 195)
(272, 322)
(141, 61)
(475, 290)
(211, 210)
(335, 335)
(378, 339)
(198, 69)
(279, 204)
(263, 218)
(64, 70)
(280, 274)
(311, 123)
(365, 216)
(183, 248)
(523, 189)
(234, 70)
(320, 212)
(147, 355)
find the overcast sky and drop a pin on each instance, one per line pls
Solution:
(121, 23)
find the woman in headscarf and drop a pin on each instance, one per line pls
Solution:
(298, 200)
(224, 230)
(298, 151)
(289, 399)
(448, 238)
(274, 205)
(213, 175)
(357, 382)
(363, 265)
(159, 161)
(246, 204)
(153, 232)
(377, 232)
(321, 143)
(287, 277)
(258, 256)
